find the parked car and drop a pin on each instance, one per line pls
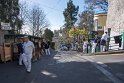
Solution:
(63, 48)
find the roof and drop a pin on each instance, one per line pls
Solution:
(22, 35)
(103, 13)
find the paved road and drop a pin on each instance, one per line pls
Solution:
(63, 67)
(113, 63)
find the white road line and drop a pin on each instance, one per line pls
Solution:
(102, 64)
(104, 71)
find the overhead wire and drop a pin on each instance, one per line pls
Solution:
(54, 7)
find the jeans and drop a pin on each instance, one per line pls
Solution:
(47, 51)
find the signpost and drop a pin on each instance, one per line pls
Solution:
(5, 26)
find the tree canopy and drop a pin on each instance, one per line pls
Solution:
(48, 34)
(99, 4)
(9, 11)
(37, 21)
(70, 14)
(86, 19)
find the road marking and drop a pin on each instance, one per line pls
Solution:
(102, 64)
(104, 71)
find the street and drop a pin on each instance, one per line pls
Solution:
(61, 41)
(67, 67)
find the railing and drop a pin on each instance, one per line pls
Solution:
(113, 45)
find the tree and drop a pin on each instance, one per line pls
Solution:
(9, 11)
(98, 4)
(70, 14)
(23, 11)
(22, 16)
(37, 21)
(86, 19)
(48, 34)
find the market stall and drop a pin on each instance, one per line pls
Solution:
(6, 52)
(37, 44)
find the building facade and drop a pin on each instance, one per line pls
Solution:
(100, 22)
(115, 21)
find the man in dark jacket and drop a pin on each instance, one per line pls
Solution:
(20, 49)
(47, 48)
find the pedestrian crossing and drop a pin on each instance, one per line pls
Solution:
(68, 57)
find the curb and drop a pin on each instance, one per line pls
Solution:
(110, 52)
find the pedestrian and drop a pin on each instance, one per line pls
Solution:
(85, 43)
(29, 49)
(20, 49)
(95, 42)
(68, 46)
(76, 45)
(43, 47)
(37, 51)
(104, 42)
(72, 46)
(47, 48)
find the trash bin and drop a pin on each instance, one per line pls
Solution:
(97, 48)
(89, 48)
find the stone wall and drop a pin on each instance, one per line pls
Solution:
(115, 17)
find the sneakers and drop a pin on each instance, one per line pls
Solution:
(20, 64)
(28, 71)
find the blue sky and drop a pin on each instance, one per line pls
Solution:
(54, 10)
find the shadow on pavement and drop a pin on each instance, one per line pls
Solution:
(116, 68)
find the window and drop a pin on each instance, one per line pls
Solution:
(96, 24)
(100, 28)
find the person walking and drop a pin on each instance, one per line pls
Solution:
(72, 46)
(76, 45)
(20, 49)
(85, 43)
(47, 48)
(104, 41)
(29, 49)
(95, 41)
(43, 47)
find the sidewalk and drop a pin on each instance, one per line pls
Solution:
(110, 52)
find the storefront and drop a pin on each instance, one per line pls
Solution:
(9, 50)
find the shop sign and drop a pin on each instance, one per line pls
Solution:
(5, 26)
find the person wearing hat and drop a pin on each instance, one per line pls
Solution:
(28, 51)
(104, 41)
(20, 49)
